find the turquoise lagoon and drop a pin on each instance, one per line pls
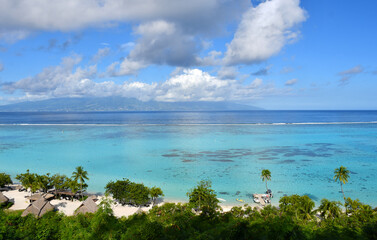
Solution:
(302, 157)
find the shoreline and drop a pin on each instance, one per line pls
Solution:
(68, 207)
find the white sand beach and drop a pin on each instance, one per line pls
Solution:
(19, 198)
(68, 207)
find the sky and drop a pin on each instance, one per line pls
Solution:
(275, 54)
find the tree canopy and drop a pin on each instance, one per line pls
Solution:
(203, 196)
(5, 179)
(127, 192)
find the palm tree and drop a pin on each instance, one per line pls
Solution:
(341, 174)
(329, 208)
(306, 208)
(266, 176)
(80, 175)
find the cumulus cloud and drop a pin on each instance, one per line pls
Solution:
(18, 18)
(291, 82)
(264, 30)
(69, 80)
(54, 79)
(212, 59)
(227, 72)
(349, 73)
(160, 43)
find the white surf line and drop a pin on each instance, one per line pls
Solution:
(181, 124)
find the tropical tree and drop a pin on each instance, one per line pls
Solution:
(203, 195)
(74, 186)
(341, 174)
(80, 175)
(299, 206)
(352, 205)
(28, 180)
(329, 209)
(266, 176)
(43, 182)
(59, 182)
(5, 179)
(127, 192)
(155, 192)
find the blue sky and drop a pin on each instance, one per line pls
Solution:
(277, 54)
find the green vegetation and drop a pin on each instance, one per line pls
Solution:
(203, 197)
(5, 179)
(301, 207)
(58, 182)
(154, 193)
(80, 175)
(296, 217)
(177, 221)
(329, 209)
(127, 192)
(266, 176)
(341, 174)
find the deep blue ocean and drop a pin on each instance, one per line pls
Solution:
(174, 150)
(216, 117)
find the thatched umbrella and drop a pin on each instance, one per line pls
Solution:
(38, 208)
(3, 198)
(88, 206)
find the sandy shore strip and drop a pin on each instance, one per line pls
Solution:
(19, 199)
(68, 207)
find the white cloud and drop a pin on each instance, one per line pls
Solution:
(45, 15)
(355, 70)
(347, 74)
(127, 67)
(101, 53)
(12, 36)
(227, 72)
(264, 30)
(256, 83)
(161, 43)
(291, 82)
(212, 59)
(68, 80)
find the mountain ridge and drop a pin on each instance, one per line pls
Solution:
(109, 104)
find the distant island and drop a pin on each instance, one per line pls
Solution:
(105, 104)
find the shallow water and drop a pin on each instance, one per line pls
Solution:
(302, 158)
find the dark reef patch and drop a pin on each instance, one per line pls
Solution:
(287, 161)
(188, 160)
(171, 155)
(267, 158)
(306, 160)
(221, 160)
(223, 193)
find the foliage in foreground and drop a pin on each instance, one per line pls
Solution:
(177, 221)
